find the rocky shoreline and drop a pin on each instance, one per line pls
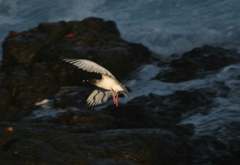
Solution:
(148, 128)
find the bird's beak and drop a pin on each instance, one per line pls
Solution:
(125, 93)
(128, 89)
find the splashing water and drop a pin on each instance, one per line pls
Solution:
(166, 26)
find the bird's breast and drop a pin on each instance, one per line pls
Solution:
(108, 83)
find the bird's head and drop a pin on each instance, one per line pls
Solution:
(124, 92)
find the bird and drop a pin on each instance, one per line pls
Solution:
(108, 85)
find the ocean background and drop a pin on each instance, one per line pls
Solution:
(165, 26)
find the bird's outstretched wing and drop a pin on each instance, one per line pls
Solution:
(89, 66)
(98, 97)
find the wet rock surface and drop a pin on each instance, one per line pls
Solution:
(197, 63)
(118, 146)
(145, 129)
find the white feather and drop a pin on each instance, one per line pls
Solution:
(89, 66)
(98, 97)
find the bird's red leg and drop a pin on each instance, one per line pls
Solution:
(114, 98)
(117, 100)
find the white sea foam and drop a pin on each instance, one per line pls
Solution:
(225, 110)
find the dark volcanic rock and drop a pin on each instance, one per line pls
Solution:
(198, 62)
(210, 150)
(151, 111)
(91, 38)
(118, 146)
(144, 131)
(162, 111)
(32, 68)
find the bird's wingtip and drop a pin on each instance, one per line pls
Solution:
(67, 59)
